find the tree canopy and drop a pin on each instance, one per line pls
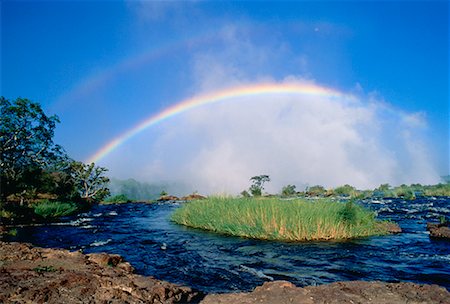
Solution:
(258, 184)
(31, 163)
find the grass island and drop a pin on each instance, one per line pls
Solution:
(283, 220)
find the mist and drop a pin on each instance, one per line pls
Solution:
(358, 138)
(302, 140)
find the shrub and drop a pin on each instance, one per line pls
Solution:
(121, 198)
(48, 209)
(288, 190)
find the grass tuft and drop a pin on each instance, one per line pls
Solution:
(48, 209)
(275, 219)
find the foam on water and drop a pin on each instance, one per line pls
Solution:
(217, 263)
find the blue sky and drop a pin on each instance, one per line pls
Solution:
(104, 66)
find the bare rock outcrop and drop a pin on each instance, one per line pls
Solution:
(356, 292)
(40, 275)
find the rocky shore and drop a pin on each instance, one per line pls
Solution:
(39, 275)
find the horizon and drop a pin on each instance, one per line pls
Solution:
(107, 68)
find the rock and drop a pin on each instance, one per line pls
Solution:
(166, 198)
(439, 230)
(192, 197)
(393, 228)
(40, 275)
(357, 292)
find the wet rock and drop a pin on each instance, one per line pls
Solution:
(439, 230)
(357, 292)
(393, 227)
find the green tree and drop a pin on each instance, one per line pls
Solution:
(316, 190)
(258, 184)
(90, 181)
(26, 145)
(346, 190)
(288, 190)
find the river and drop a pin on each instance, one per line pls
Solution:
(145, 236)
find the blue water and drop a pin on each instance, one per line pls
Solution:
(144, 235)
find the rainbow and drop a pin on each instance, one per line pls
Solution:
(215, 97)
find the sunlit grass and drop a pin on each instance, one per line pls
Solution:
(275, 219)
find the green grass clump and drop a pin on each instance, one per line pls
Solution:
(48, 209)
(275, 219)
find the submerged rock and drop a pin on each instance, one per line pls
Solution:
(439, 230)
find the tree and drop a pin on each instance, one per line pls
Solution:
(26, 145)
(316, 190)
(288, 190)
(346, 190)
(90, 181)
(258, 184)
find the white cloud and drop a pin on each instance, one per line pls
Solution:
(295, 139)
(356, 139)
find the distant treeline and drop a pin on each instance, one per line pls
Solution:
(134, 190)
(383, 191)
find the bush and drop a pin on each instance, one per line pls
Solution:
(121, 198)
(48, 209)
(275, 219)
(288, 190)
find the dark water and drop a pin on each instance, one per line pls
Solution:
(147, 239)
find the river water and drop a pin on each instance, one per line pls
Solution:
(144, 235)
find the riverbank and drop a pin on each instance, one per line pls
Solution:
(41, 275)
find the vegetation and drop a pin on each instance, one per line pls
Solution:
(407, 192)
(139, 191)
(275, 219)
(90, 180)
(258, 184)
(42, 269)
(48, 209)
(33, 168)
(117, 199)
(288, 190)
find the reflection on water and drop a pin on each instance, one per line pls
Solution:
(144, 235)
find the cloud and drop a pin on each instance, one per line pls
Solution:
(296, 140)
(357, 139)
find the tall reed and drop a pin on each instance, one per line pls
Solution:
(276, 219)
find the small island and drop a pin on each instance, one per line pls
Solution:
(281, 220)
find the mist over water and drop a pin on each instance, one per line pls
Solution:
(296, 139)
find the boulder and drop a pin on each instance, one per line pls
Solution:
(441, 231)
(167, 198)
(192, 197)
(393, 228)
